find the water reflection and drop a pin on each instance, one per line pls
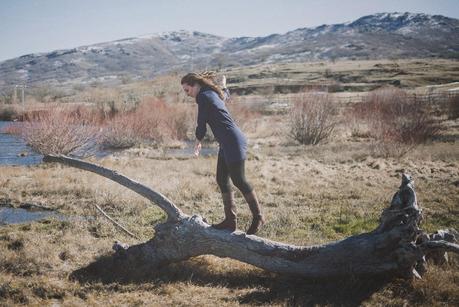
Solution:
(14, 151)
(188, 151)
(20, 216)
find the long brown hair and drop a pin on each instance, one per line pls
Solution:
(206, 78)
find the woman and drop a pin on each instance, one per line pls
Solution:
(233, 146)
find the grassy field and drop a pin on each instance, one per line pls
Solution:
(310, 195)
(266, 80)
(342, 76)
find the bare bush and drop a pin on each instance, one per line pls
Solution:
(119, 133)
(396, 120)
(180, 121)
(61, 131)
(152, 121)
(312, 118)
(245, 116)
(357, 127)
(158, 120)
(79, 130)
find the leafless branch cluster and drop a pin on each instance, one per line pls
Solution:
(312, 118)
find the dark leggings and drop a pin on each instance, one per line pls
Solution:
(235, 171)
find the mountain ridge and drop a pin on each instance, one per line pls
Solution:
(376, 36)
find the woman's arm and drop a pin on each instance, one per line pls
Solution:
(203, 111)
(226, 92)
(201, 127)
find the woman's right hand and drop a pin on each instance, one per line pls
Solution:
(197, 148)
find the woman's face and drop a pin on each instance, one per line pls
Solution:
(191, 90)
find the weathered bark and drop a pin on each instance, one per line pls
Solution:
(397, 246)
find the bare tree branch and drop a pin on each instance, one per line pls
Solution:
(173, 213)
(116, 223)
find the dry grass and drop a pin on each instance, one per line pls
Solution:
(453, 106)
(341, 76)
(310, 195)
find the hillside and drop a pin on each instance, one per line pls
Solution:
(383, 35)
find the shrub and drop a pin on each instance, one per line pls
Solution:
(61, 131)
(119, 133)
(244, 115)
(79, 130)
(152, 121)
(158, 120)
(396, 120)
(312, 118)
(180, 121)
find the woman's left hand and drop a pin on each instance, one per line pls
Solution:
(197, 148)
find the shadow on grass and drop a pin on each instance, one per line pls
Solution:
(307, 292)
(269, 288)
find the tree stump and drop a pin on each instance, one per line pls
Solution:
(397, 246)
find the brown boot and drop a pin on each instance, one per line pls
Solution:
(258, 219)
(230, 221)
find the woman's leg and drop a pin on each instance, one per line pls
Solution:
(257, 217)
(237, 173)
(230, 221)
(223, 175)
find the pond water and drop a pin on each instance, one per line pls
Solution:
(20, 215)
(14, 151)
(188, 151)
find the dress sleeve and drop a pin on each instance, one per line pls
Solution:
(203, 111)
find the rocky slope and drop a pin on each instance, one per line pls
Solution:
(383, 35)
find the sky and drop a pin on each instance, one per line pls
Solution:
(31, 26)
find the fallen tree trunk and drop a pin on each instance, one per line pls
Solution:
(397, 246)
